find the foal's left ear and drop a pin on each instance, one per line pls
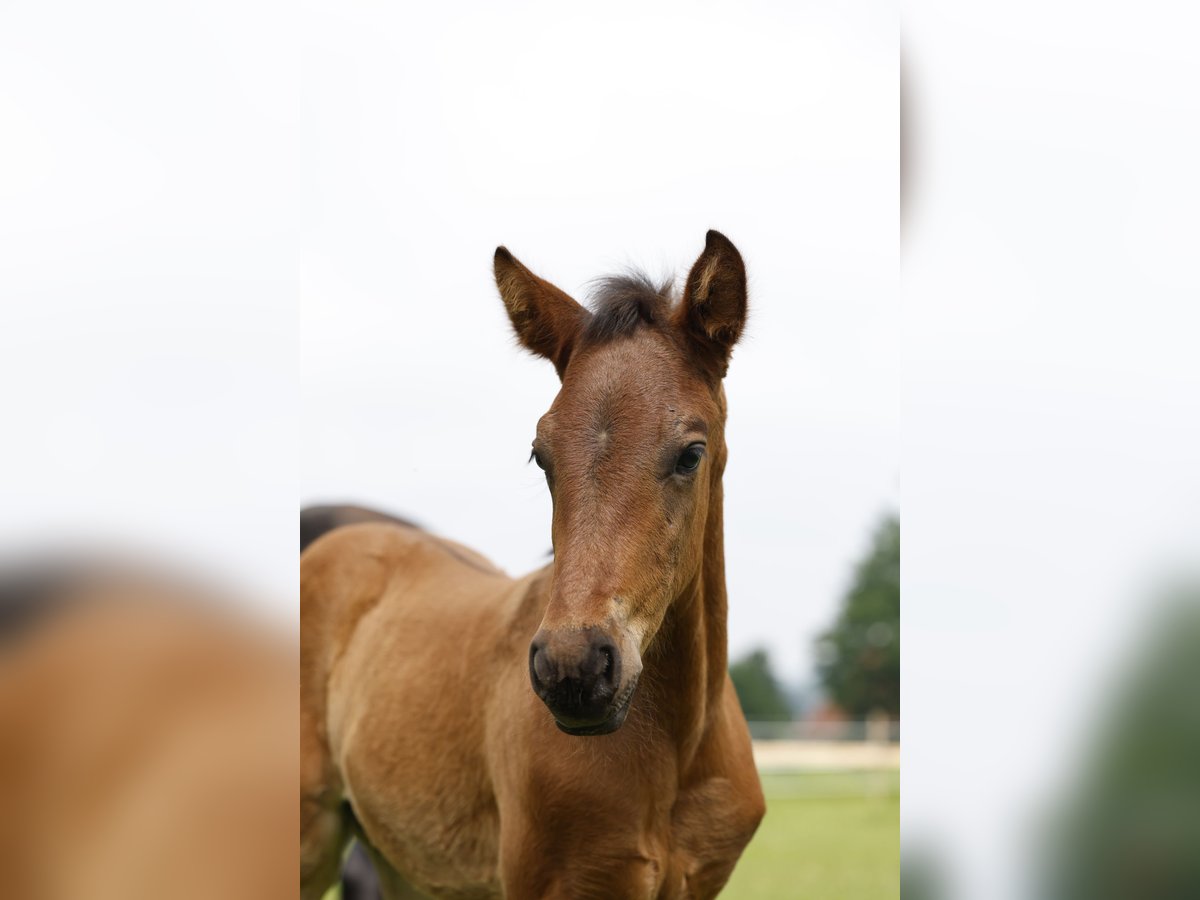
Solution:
(547, 321)
(713, 310)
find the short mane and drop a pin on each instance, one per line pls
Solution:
(621, 303)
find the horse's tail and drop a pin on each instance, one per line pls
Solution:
(360, 881)
(318, 520)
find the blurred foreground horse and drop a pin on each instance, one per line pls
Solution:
(147, 738)
(420, 734)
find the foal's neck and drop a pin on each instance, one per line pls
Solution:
(687, 660)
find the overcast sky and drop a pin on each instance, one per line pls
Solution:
(587, 144)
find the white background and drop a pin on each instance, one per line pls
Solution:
(148, 284)
(587, 142)
(1051, 403)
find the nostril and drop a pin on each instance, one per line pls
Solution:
(539, 667)
(608, 654)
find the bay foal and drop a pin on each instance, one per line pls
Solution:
(626, 771)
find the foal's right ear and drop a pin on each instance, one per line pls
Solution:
(546, 320)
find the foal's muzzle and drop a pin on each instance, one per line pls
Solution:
(577, 674)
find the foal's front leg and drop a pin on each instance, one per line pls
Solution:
(586, 856)
(712, 823)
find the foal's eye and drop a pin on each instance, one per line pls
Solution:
(689, 459)
(533, 455)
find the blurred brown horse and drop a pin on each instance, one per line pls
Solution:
(420, 734)
(147, 736)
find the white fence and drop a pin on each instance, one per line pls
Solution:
(876, 731)
(826, 746)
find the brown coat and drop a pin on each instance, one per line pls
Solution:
(420, 732)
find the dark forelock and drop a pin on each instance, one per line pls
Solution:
(620, 304)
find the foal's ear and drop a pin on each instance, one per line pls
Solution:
(713, 310)
(546, 320)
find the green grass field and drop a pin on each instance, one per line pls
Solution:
(826, 836)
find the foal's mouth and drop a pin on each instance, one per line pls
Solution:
(616, 717)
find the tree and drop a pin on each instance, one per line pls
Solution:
(758, 690)
(859, 657)
(1131, 825)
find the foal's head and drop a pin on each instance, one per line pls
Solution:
(633, 448)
